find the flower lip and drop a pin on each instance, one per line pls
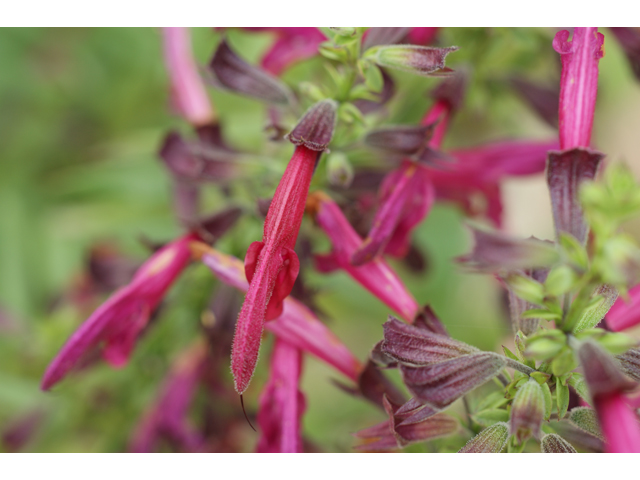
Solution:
(119, 320)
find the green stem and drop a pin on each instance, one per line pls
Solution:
(521, 367)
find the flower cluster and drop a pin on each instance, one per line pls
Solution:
(558, 291)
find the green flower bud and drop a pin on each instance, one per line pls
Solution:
(490, 440)
(553, 443)
(527, 411)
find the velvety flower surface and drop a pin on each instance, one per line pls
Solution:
(297, 325)
(118, 322)
(271, 265)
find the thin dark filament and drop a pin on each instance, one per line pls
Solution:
(245, 413)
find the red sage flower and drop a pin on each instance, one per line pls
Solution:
(271, 265)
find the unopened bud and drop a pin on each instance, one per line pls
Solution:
(489, 440)
(427, 61)
(553, 443)
(339, 170)
(527, 411)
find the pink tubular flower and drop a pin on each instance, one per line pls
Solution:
(578, 84)
(168, 417)
(623, 315)
(620, 425)
(607, 386)
(297, 325)
(271, 265)
(119, 320)
(189, 94)
(407, 193)
(422, 35)
(480, 170)
(292, 45)
(376, 275)
(281, 402)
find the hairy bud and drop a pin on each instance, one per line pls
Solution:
(490, 440)
(553, 443)
(527, 411)
(427, 61)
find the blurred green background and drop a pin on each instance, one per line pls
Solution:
(82, 115)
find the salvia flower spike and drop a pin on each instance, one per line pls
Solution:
(271, 265)
(187, 87)
(119, 320)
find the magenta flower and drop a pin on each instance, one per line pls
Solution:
(168, 417)
(376, 276)
(187, 88)
(576, 162)
(619, 423)
(622, 314)
(480, 171)
(117, 323)
(271, 265)
(281, 402)
(292, 45)
(607, 386)
(578, 84)
(406, 194)
(422, 35)
(297, 325)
